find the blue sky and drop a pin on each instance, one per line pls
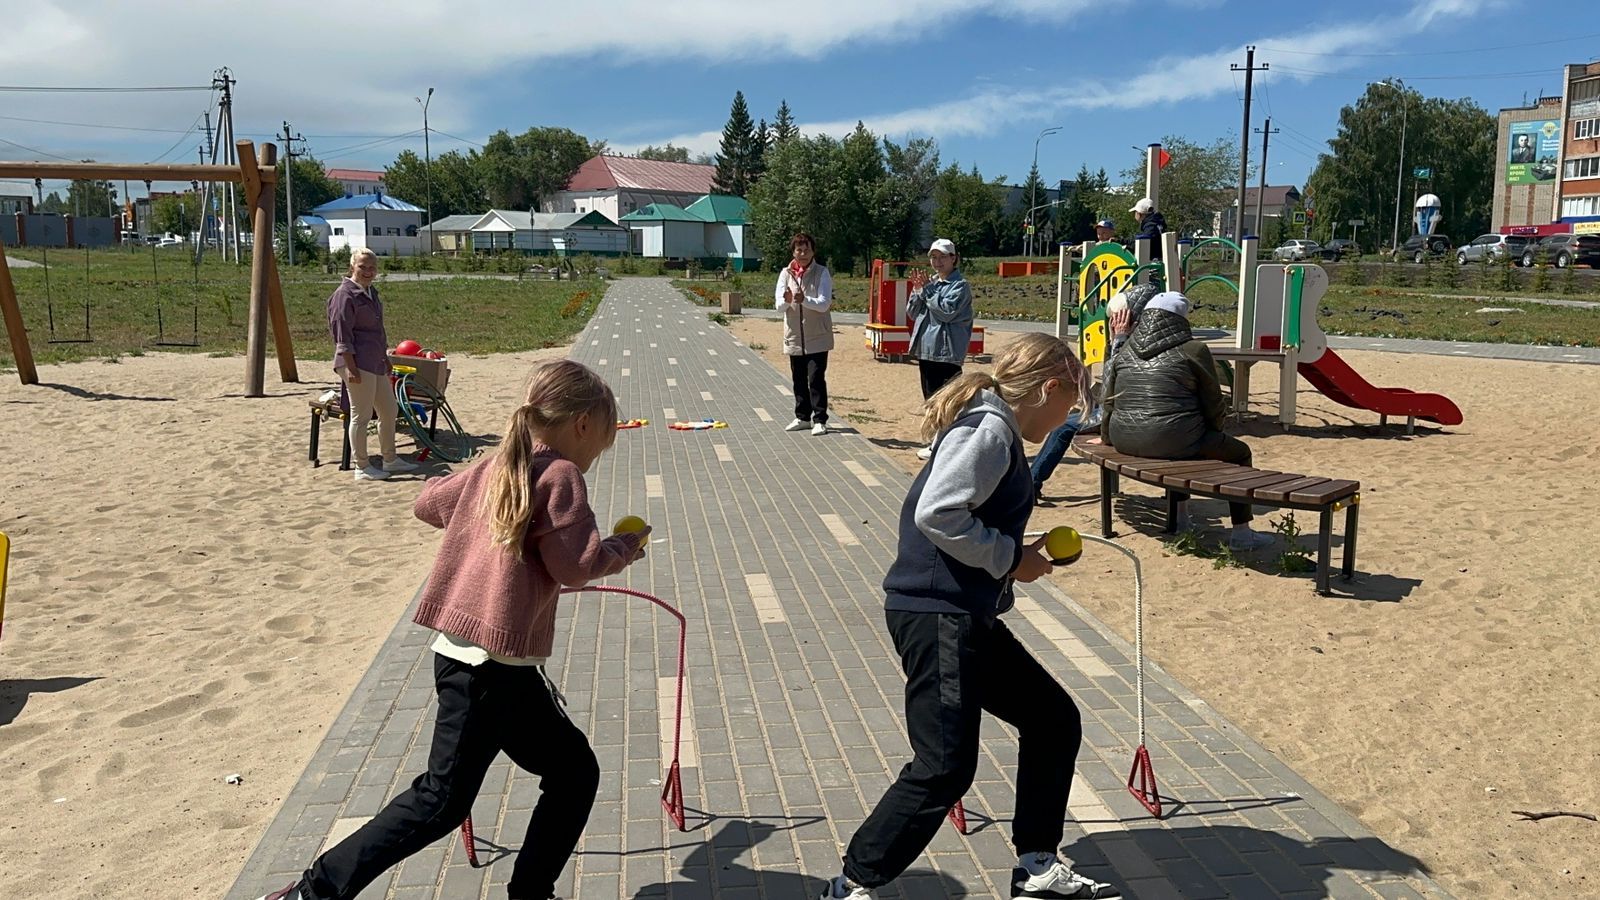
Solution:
(983, 77)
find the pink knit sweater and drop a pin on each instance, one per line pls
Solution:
(483, 593)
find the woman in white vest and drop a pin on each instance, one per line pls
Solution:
(805, 294)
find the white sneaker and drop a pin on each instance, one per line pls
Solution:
(797, 425)
(819, 428)
(1245, 539)
(399, 465)
(1058, 882)
(925, 452)
(371, 473)
(842, 888)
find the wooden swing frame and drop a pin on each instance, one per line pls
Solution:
(266, 292)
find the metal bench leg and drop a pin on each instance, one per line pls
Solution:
(316, 432)
(1108, 488)
(1172, 513)
(344, 426)
(1324, 549)
(1351, 520)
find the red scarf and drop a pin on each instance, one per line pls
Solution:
(797, 270)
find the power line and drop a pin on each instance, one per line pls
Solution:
(38, 151)
(26, 89)
(1412, 53)
(368, 145)
(453, 137)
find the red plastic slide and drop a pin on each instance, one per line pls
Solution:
(1333, 376)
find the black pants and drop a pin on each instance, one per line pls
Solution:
(935, 375)
(482, 710)
(957, 669)
(1223, 448)
(809, 374)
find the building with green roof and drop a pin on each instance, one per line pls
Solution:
(714, 230)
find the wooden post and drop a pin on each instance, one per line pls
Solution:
(255, 354)
(15, 330)
(282, 341)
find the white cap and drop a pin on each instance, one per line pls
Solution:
(943, 245)
(1172, 302)
(1143, 206)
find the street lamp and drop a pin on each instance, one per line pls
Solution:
(1033, 184)
(427, 164)
(1400, 167)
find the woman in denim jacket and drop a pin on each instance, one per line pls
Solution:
(941, 311)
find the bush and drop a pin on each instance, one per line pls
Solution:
(1352, 274)
(1569, 280)
(1542, 282)
(1444, 274)
(1394, 275)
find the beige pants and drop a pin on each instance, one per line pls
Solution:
(372, 391)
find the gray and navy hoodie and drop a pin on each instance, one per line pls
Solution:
(961, 525)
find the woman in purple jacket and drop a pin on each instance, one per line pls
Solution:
(361, 357)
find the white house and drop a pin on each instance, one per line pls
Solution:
(451, 233)
(356, 182)
(615, 186)
(383, 224)
(563, 234)
(715, 229)
(317, 227)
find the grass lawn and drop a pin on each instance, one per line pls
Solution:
(1370, 311)
(452, 315)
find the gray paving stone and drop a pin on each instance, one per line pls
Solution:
(797, 724)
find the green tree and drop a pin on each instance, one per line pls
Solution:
(456, 187)
(1076, 218)
(1200, 180)
(796, 196)
(856, 179)
(758, 151)
(91, 197)
(312, 187)
(737, 160)
(968, 209)
(177, 213)
(783, 127)
(1035, 193)
(1454, 138)
(53, 203)
(905, 195)
(667, 153)
(525, 171)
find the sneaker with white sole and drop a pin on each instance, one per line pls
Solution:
(292, 892)
(842, 888)
(371, 473)
(797, 425)
(925, 452)
(819, 428)
(1058, 882)
(399, 465)
(1245, 539)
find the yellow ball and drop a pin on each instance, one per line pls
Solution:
(628, 525)
(1063, 545)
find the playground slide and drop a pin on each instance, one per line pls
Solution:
(1331, 375)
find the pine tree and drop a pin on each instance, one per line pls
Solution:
(783, 128)
(758, 151)
(733, 162)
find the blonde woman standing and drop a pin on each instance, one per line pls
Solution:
(361, 357)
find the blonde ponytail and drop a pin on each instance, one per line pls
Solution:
(1020, 373)
(557, 392)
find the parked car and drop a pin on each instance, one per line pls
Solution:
(1493, 247)
(1340, 248)
(170, 242)
(1292, 251)
(1420, 246)
(1562, 250)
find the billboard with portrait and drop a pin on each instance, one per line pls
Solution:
(1531, 154)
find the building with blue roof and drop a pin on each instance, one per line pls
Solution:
(386, 225)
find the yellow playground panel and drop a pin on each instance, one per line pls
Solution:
(1107, 269)
(5, 554)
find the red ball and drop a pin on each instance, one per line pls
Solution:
(408, 348)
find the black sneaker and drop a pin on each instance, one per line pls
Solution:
(1059, 882)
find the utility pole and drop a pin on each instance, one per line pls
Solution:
(289, 141)
(1249, 70)
(224, 81)
(427, 164)
(1266, 131)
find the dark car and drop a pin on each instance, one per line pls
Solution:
(1562, 250)
(1419, 246)
(1339, 248)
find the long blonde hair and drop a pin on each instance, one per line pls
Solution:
(558, 392)
(1020, 372)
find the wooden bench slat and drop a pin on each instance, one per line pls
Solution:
(1155, 469)
(1279, 493)
(1245, 490)
(1327, 493)
(1179, 478)
(1241, 473)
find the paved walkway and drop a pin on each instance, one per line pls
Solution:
(1527, 352)
(774, 544)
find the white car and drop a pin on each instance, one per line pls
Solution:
(170, 242)
(1294, 251)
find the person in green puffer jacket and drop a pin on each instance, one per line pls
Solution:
(1162, 400)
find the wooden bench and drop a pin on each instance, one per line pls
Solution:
(1226, 481)
(332, 408)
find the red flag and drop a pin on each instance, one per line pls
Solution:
(1162, 158)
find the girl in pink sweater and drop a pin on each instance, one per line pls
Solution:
(517, 528)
